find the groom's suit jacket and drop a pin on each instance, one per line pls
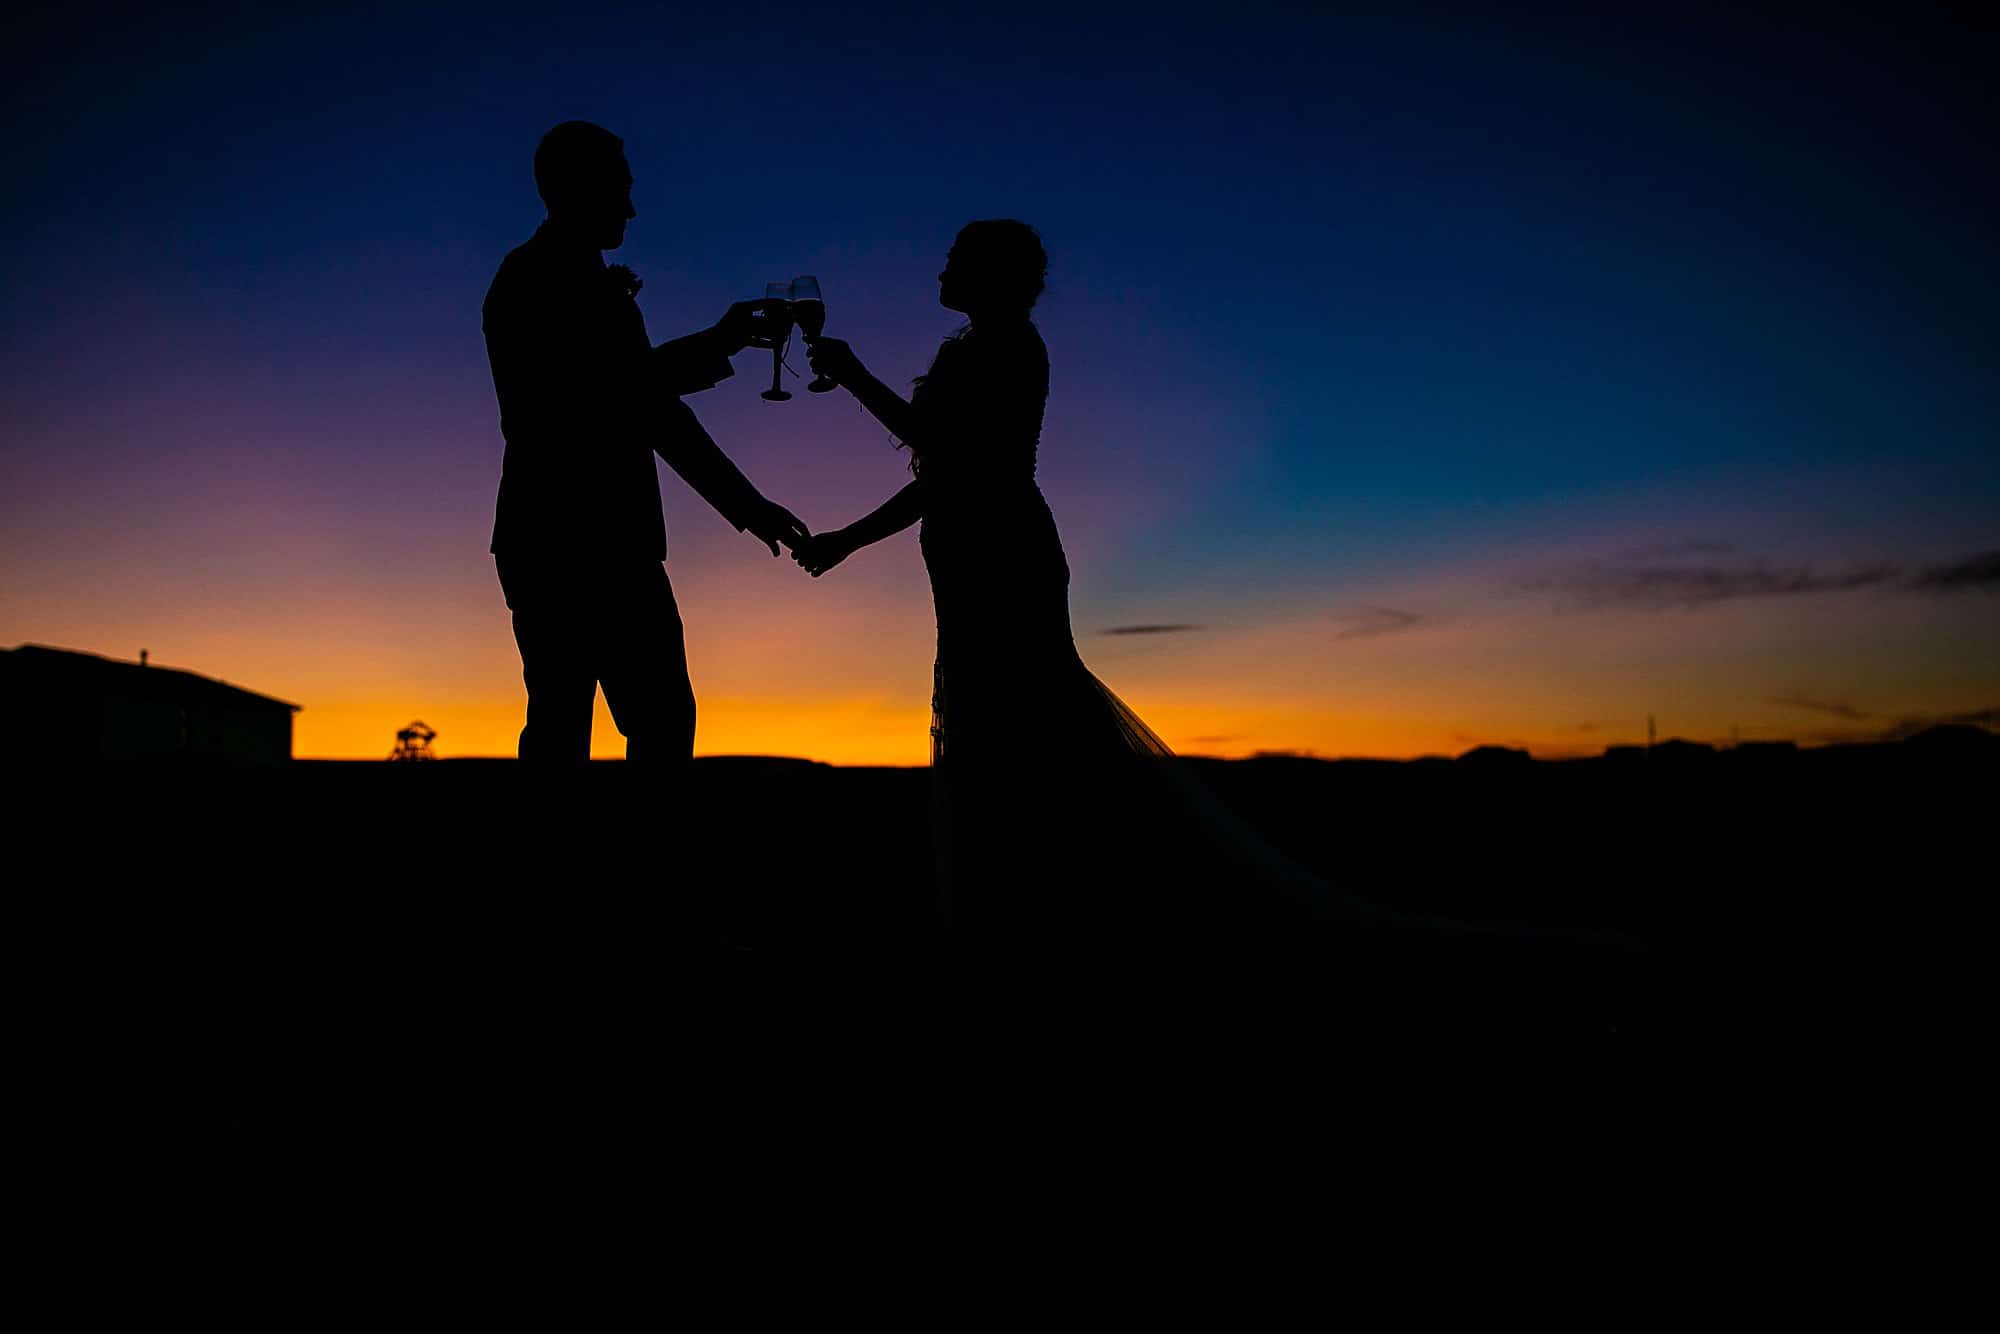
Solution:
(585, 402)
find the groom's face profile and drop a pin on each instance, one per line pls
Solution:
(586, 182)
(601, 204)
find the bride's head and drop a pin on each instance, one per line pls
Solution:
(996, 268)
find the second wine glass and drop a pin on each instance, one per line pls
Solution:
(810, 313)
(778, 310)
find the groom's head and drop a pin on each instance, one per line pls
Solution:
(581, 172)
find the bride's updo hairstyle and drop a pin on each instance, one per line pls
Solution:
(1004, 256)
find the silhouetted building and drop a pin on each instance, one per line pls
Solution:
(62, 707)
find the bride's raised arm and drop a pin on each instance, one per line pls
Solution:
(833, 358)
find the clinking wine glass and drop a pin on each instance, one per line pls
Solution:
(810, 314)
(778, 311)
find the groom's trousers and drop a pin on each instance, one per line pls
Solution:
(613, 622)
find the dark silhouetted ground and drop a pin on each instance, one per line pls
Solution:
(345, 959)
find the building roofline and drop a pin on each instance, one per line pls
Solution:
(101, 662)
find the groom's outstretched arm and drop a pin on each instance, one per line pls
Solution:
(691, 364)
(690, 451)
(701, 359)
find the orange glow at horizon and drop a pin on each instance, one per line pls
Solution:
(843, 675)
(839, 669)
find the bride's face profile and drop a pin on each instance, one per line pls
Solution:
(969, 285)
(993, 270)
(952, 282)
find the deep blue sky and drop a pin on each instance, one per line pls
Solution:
(1332, 299)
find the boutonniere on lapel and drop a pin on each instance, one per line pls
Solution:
(623, 281)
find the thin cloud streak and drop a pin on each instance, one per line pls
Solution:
(1978, 572)
(1687, 546)
(1798, 699)
(1372, 621)
(1148, 629)
(1661, 587)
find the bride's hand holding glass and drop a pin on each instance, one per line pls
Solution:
(809, 312)
(834, 359)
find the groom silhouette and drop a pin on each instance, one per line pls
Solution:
(585, 402)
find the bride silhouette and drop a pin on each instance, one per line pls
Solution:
(1057, 814)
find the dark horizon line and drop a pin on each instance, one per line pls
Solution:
(1719, 747)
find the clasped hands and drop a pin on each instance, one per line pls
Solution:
(771, 524)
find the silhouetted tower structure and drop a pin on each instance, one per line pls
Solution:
(413, 743)
(1652, 734)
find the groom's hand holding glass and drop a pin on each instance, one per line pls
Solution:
(739, 326)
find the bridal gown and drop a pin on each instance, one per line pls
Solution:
(1057, 813)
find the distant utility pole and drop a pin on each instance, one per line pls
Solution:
(1652, 734)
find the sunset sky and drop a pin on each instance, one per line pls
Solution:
(1416, 384)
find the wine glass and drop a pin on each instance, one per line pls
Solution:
(778, 310)
(810, 313)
